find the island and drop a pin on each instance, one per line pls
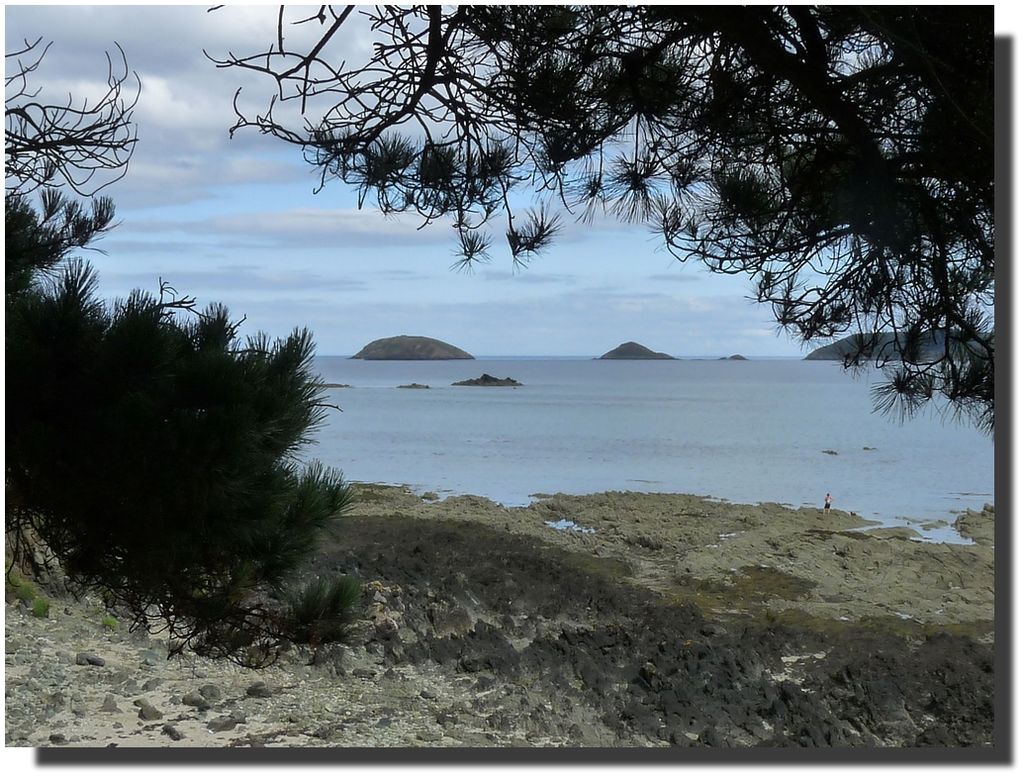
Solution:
(734, 358)
(414, 386)
(880, 345)
(410, 348)
(488, 380)
(633, 350)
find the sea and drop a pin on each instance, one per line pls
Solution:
(759, 430)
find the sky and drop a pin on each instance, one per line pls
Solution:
(236, 220)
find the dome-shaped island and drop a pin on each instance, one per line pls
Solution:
(633, 350)
(410, 348)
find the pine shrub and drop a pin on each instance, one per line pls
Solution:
(156, 453)
(319, 611)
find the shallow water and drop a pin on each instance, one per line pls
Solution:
(745, 431)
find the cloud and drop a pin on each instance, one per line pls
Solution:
(239, 280)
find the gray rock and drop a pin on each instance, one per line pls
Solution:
(426, 693)
(152, 684)
(430, 736)
(148, 712)
(89, 659)
(259, 690)
(172, 732)
(211, 692)
(364, 674)
(196, 699)
(58, 739)
(109, 704)
(151, 657)
(225, 722)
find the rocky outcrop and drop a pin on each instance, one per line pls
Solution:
(879, 345)
(631, 350)
(488, 380)
(734, 358)
(410, 348)
(414, 386)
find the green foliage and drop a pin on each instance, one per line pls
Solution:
(319, 611)
(109, 622)
(841, 157)
(41, 607)
(155, 452)
(25, 591)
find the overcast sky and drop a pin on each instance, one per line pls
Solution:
(237, 221)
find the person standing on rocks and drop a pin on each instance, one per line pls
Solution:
(828, 504)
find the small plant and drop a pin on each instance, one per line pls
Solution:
(109, 622)
(318, 612)
(41, 607)
(25, 590)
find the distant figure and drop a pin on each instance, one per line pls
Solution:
(828, 504)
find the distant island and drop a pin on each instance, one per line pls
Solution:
(883, 347)
(410, 348)
(734, 358)
(414, 386)
(488, 380)
(633, 350)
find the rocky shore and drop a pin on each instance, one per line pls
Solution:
(616, 619)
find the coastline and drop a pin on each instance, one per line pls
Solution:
(648, 620)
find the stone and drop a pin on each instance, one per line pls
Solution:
(259, 690)
(152, 684)
(89, 659)
(148, 712)
(364, 674)
(196, 699)
(224, 723)
(211, 692)
(172, 732)
(109, 704)
(430, 735)
(58, 739)
(426, 693)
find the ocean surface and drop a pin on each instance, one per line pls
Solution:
(744, 431)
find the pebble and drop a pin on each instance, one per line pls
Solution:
(109, 704)
(364, 674)
(58, 739)
(426, 693)
(151, 684)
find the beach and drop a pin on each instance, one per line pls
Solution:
(616, 619)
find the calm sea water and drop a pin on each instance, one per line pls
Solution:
(745, 431)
